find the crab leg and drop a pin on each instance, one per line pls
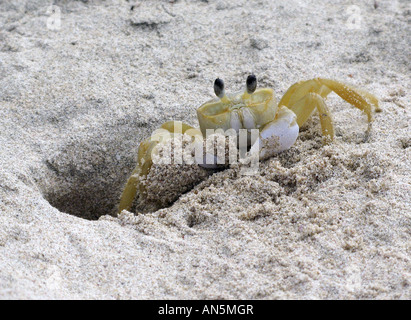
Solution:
(304, 107)
(299, 92)
(142, 168)
(130, 190)
(358, 98)
(144, 161)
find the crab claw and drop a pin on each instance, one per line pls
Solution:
(277, 135)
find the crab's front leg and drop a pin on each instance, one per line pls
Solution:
(135, 186)
(277, 135)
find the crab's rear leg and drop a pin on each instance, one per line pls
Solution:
(304, 107)
(144, 162)
(130, 190)
(297, 93)
(360, 99)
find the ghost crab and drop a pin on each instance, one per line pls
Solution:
(277, 125)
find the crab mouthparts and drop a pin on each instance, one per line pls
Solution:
(237, 106)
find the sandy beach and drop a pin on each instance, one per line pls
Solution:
(82, 83)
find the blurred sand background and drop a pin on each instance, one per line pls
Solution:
(82, 83)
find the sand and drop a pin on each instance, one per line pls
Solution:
(78, 95)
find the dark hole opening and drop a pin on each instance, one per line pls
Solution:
(85, 179)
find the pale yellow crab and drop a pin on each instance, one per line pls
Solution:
(277, 124)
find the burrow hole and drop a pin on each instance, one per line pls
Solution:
(85, 178)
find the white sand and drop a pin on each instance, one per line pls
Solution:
(328, 222)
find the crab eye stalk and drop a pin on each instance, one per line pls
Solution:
(219, 88)
(251, 83)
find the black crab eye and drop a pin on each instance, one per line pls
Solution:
(219, 88)
(251, 83)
